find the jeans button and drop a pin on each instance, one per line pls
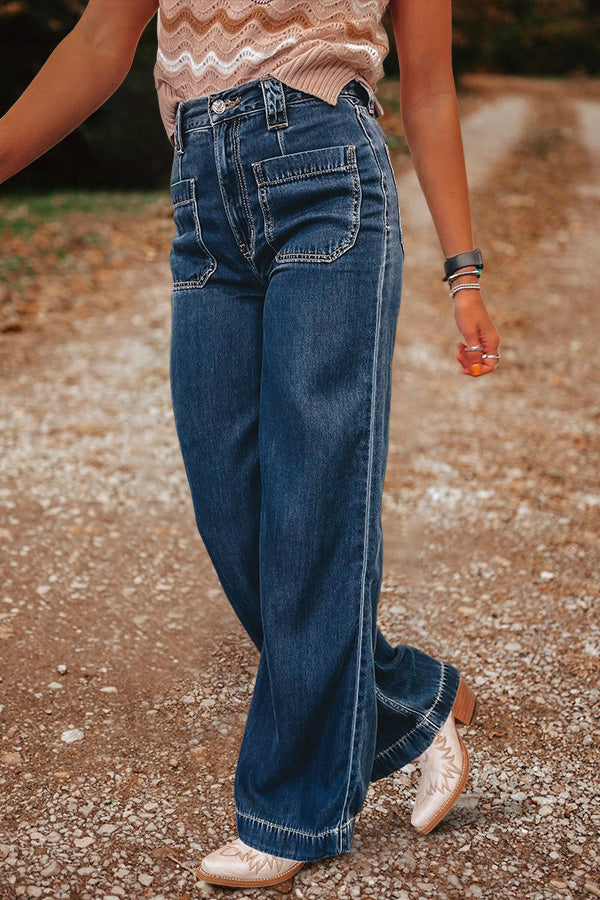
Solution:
(219, 106)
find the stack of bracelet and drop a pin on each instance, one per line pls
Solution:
(463, 287)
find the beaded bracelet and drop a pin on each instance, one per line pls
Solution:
(477, 272)
(464, 287)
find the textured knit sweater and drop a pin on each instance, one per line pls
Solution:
(315, 46)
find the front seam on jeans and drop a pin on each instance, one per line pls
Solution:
(367, 501)
(310, 834)
(234, 232)
(360, 114)
(424, 721)
(235, 138)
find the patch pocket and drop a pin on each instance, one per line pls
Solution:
(310, 203)
(191, 261)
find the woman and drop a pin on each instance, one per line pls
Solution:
(287, 274)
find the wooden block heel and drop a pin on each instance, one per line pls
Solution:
(465, 704)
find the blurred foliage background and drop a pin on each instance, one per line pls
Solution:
(124, 145)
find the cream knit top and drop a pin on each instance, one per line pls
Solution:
(315, 46)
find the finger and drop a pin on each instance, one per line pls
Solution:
(490, 363)
(470, 359)
(472, 350)
(485, 368)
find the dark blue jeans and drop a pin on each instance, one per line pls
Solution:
(287, 274)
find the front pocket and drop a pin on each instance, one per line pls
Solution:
(310, 203)
(191, 262)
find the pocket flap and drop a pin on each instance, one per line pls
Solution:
(306, 162)
(183, 191)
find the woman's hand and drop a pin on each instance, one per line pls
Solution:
(477, 328)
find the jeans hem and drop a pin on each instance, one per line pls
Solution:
(413, 744)
(289, 843)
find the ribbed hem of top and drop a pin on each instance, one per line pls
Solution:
(324, 82)
(167, 105)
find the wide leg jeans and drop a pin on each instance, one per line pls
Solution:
(287, 276)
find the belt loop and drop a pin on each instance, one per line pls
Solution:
(371, 98)
(274, 100)
(178, 136)
(367, 92)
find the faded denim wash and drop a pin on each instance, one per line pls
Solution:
(287, 275)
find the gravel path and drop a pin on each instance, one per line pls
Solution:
(125, 676)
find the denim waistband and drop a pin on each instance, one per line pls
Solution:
(265, 94)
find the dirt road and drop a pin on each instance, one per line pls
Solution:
(114, 630)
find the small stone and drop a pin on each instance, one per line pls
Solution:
(545, 811)
(42, 589)
(83, 842)
(72, 735)
(34, 891)
(11, 758)
(546, 576)
(50, 869)
(145, 879)
(110, 689)
(207, 703)
(61, 669)
(55, 686)
(107, 829)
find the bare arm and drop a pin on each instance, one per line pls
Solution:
(86, 67)
(423, 33)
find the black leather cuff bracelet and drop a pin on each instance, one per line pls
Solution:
(470, 258)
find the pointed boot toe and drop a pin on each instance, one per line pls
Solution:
(238, 865)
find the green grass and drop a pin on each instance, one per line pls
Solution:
(22, 213)
(13, 263)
